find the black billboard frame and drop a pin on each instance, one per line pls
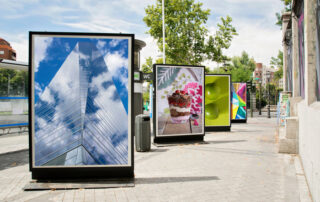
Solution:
(222, 128)
(176, 138)
(80, 173)
(240, 120)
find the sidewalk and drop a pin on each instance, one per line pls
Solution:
(241, 165)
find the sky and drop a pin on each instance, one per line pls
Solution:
(253, 19)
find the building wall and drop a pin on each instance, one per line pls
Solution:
(309, 148)
(6, 51)
(304, 88)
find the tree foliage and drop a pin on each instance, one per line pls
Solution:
(13, 82)
(241, 68)
(187, 39)
(278, 62)
(147, 66)
(287, 7)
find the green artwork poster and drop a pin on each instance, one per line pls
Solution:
(217, 100)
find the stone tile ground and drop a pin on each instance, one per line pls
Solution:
(241, 165)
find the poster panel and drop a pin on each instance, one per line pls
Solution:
(81, 95)
(179, 100)
(239, 101)
(217, 100)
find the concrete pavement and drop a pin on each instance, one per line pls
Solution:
(241, 165)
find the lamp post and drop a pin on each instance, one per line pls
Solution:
(163, 35)
(268, 77)
(259, 96)
(251, 98)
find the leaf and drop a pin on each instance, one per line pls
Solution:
(166, 76)
(166, 111)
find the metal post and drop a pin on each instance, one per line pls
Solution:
(259, 98)
(163, 35)
(269, 116)
(8, 85)
(251, 101)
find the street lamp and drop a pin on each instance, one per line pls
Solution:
(259, 96)
(163, 35)
(268, 77)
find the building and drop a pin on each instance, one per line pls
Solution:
(6, 51)
(260, 74)
(301, 79)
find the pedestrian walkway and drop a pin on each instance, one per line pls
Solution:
(241, 165)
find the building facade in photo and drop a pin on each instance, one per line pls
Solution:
(301, 80)
(6, 51)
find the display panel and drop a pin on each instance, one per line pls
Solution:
(81, 100)
(217, 100)
(239, 101)
(179, 100)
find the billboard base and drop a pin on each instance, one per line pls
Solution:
(79, 184)
(239, 121)
(218, 128)
(82, 173)
(178, 139)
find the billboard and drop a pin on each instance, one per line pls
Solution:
(179, 100)
(239, 101)
(81, 102)
(217, 102)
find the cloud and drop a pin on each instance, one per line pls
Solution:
(150, 50)
(258, 41)
(115, 62)
(40, 52)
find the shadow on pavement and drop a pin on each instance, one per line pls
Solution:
(225, 141)
(158, 180)
(13, 159)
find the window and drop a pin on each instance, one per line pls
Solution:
(1, 52)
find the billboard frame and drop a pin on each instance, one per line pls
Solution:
(82, 172)
(240, 120)
(175, 137)
(222, 128)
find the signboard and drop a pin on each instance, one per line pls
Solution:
(239, 102)
(137, 76)
(147, 76)
(217, 102)
(81, 105)
(179, 101)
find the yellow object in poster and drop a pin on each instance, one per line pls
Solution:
(217, 100)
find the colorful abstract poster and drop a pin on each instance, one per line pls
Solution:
(284, 107)
(239, 101)
(217, 100)
(81, 95)
(179, 100)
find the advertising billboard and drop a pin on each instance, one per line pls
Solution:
(239, 101)
(81, 102)
(179, 100)
(217, 102)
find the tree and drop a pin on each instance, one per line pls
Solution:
(147, 66)
(187, 39)
(278, 62)
(241, 68)
(287, 7)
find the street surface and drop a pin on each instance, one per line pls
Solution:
(241, 165)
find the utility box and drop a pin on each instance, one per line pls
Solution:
(142, 133)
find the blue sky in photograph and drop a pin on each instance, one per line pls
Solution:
(76, 81)
(253, 19)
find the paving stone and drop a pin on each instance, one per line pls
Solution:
(241, 165)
